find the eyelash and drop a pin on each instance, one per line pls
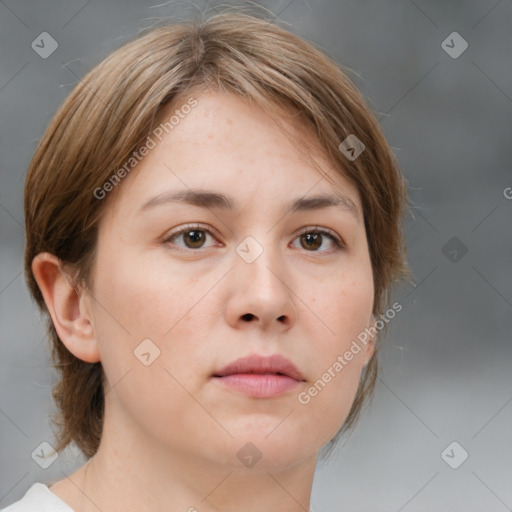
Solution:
(338, 243)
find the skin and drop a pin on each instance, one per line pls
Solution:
(171, 432)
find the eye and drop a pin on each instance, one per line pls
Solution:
(194, 236)
(312, 238)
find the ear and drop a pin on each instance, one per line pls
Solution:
(69, 309)
(370, 346)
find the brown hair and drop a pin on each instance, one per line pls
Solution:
(110, 114)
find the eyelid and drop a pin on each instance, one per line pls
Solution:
(188, 227)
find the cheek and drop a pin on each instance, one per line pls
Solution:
(344, 306)
(137, 302)
(327, 401)
(139, 299)
(144, 296)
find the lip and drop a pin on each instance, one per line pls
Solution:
(260, 365)
(260, 376)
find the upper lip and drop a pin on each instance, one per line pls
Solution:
(260, 364)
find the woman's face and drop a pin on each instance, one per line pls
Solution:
(171, 310)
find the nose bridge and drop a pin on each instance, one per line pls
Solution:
(258, 258)
(261, 280)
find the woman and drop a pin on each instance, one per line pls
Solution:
(214, 224)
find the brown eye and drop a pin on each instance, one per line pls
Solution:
(313, 239)
(193, 237)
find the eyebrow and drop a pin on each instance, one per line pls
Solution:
(215, 200)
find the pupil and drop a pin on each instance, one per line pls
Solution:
(196, 237)
(315, 238)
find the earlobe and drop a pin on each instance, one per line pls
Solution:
(369, 351)
(69, 309)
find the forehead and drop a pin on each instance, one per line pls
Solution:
(232, 122)
(225, 143)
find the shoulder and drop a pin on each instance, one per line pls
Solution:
(38, 498)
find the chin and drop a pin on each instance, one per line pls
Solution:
(264, 451)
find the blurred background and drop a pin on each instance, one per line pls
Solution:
(438, 74)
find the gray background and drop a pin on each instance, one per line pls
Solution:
(446, 362)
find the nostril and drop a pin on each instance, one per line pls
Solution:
(248, 316)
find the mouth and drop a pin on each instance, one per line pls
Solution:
(260, 377)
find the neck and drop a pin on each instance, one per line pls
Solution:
(127, 475)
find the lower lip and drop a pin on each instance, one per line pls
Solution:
(259, 386)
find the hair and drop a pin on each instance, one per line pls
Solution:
(112, 110)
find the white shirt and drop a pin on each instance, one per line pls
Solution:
(38, 498)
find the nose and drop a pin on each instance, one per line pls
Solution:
(261, 294)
